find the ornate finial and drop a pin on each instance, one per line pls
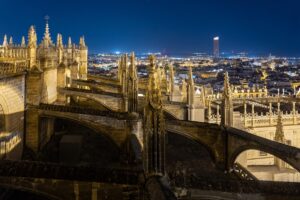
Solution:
(11, 42)
(69, 43)
(227, 107)
(132, 70)
(132, 85)
(151, 68)
(23, 43)
(59, 42)
(152, 60)
(32, 37)
(279, 134)
(171, 81)
(5, 43)
(154, 125)
(191, 80)
(81, 42)
(191, 88)
(47, 38)
(47, 19)
(227, 87)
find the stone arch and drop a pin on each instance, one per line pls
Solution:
(97, 129)
(210, 150)
(98, 100)
(232, 158)
(4, 110)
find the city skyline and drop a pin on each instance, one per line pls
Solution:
(149, 100)
(171, 27)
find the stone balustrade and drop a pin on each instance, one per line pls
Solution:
(260, 120)
(12, 68)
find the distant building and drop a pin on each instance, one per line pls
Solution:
(216, 47)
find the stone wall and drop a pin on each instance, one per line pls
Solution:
(12, 101)
(49, 93)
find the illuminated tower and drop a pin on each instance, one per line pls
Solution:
(216, 47)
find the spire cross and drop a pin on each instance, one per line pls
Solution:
(47, 18)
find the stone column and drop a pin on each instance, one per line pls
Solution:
(252, 113)
(294, 113)
(95, 187)
(209, 111)
(32, 129)
(245, 114)
(218, 114)
(270, 113)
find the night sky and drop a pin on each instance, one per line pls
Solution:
(172, 27)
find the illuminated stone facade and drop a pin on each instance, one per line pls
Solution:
(49, 66)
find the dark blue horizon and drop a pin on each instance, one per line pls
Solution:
(167, 26)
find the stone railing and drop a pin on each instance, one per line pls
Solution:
(14, 52)
(35, 169)
(258, 120)
(241, 186)
(84, 110)
(92, 91)
(10, 68)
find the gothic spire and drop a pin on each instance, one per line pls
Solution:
(23, 43)
(59, 42)
(227, 104)
(5, 43)
(151, 67)
(132, 70)
(227, 87)
(154, 127)
(279, 134)
(171, 80)
(11, 42)
(82, 42)
(191, 80)
(32, 37)
(191, 88)
(69, 43)
(132, 85)
(47, 41)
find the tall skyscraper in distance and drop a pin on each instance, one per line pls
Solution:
(216, 47)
